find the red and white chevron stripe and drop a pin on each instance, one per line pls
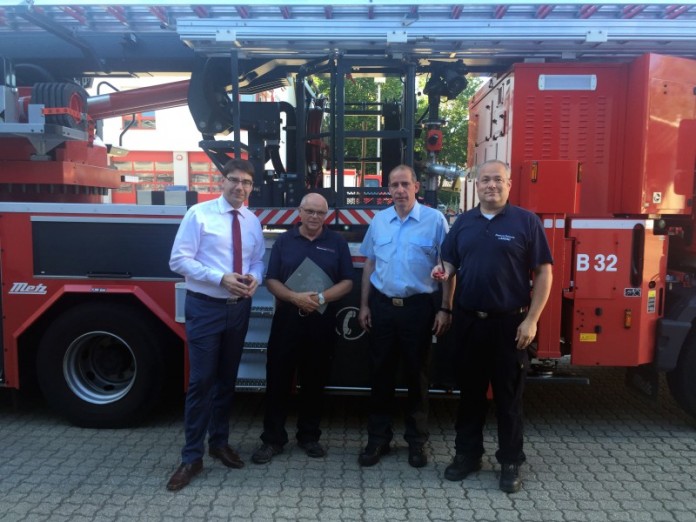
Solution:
(290, 216)
(277, 216)
(356, 216)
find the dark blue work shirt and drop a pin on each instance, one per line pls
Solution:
(330, 251)
(495, 258)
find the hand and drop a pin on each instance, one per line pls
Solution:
(442, 323)
(239, 285)
(365, 318)
(305, 301)
(526, 332)
(252, 284)
(439, 273)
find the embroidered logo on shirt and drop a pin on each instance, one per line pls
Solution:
(504, 237)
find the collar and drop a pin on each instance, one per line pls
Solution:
(502, 212)
(414, 213)
(224, 206)
(295, 230)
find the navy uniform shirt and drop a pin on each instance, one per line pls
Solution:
(330, 251)
(495, 258)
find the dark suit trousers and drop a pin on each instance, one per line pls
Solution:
(215, 334)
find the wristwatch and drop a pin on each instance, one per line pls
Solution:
(320, 296)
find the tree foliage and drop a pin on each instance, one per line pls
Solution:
(455, 137)
(364, 92)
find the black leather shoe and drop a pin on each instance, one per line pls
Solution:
(416, 456)
(510, 480)
(265, 453)
(227, 456)
(183, 475)
(372, 453)
(461, 466)
(313, 449)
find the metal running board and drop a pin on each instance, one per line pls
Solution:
(557, 377)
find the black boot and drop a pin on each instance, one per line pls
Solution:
(510, 480)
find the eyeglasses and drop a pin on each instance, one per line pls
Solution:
(314, 213)
(246, 183)
(498, 180)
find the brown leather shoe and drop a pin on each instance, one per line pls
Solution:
(227, 456)
(183, 475)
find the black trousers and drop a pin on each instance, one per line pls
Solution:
(305, 344)
(486, 353)
(400, 333)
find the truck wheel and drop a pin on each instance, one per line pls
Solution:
(101, 365)
(681, 380)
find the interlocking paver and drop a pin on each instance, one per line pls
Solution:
(596, 453)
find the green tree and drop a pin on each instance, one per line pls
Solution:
(456, 130)
(455, 136)
(360, 92)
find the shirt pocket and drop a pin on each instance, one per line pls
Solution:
(384, 248)
(422, 251)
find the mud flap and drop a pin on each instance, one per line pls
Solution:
(644, 379)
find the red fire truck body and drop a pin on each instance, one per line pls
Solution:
(88, 300)
(599, 136)
(605, 154)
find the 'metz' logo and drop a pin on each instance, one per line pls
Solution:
(26, 288)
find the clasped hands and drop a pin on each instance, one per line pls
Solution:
(241, 285)
(307, 302)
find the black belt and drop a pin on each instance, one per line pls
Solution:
(402, 301)
(485, 315)
(219, 300)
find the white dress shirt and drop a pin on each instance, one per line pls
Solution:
(202, 250)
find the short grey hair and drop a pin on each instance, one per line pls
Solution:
(505, 166)
(407, 168)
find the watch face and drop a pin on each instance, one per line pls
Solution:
(321, 299)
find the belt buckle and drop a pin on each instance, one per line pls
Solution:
(232, 300)
(481, 315)
(397, 301)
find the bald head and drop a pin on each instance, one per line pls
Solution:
(315, 201)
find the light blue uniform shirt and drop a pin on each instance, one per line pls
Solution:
(405, 252)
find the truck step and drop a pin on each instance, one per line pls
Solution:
(556, 377)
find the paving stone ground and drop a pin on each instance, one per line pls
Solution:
(595, 453)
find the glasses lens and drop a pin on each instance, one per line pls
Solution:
(236, 181)
(315, 213)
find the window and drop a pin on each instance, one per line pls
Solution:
(143, 120)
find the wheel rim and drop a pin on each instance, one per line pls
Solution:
(99, 367)
(75, 103)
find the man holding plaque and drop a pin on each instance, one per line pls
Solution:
(310, 268)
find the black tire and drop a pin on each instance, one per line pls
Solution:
(101, 365)
(681, 380)
(68, 95)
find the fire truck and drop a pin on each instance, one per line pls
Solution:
(597, 127)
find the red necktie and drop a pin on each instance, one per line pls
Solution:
(236, 243)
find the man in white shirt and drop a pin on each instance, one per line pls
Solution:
(219, 249)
